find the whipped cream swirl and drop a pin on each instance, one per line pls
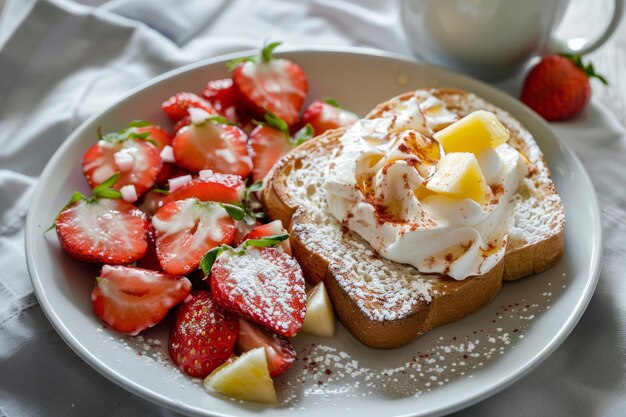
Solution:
(376, 188)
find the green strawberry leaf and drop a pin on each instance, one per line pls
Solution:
(589, 70)
(332, 102)
(104, 190)
(268, 50)
(207, 261)
(276, 122)
(161, 191)
(219, 119)
(302, 135)
(139, 123)
(75, 197)
(267, 241)
(234, 63)
(235, 212)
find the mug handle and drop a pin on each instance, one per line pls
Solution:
(581, 46)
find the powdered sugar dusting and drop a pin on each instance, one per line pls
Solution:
(266, 285)
(384, 289)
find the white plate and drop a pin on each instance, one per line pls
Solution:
(445, 370)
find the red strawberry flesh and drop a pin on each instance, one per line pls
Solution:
(186, 229)
(264, 285)
(130, 299)
(140, 167)
(108, 231)
(279, 352)
(224, 188)
(267, 146)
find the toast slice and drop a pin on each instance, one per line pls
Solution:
(386, 304)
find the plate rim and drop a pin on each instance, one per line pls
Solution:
(487, 391)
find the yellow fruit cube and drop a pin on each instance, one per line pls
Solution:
(246, 378)
(459, 175)
(320, 318)
(473, 133)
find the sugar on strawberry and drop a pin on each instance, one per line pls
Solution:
(212, 142)
(270, 141)
(262, 283)
(186, 229)
(203, 336)
(133, 152)
(264, 82)
(211, 186)
(558, 86)
(130, 300)
(102, 228)
(327, 114)
(177, 107)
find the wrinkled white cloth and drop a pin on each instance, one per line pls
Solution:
(61, 61)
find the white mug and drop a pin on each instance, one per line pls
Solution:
(491, 39)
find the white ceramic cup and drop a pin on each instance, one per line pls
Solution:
(492, 39)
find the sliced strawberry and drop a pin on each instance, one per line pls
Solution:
(242, 229)
(185, 121)
(203, 336)
(159, 136)
(267, 146)
(223, 188)
(208, 143)
(326, 115)
(128, 152)
(102, 230)
(270, 141)
(186, 229)
(265, 285)
(130, 299)
(177, 106)
(170, 171)
(152, 201)
(274, 228)
(267, 83)
(223, 97)
(279, 352)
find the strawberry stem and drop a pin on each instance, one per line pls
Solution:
(588, 69)
(268, 50)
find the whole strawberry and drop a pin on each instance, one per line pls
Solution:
(558, 87)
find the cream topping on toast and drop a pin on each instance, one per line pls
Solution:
(391, 186)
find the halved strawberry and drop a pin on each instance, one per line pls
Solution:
(130, 299)
(270, 141)
(267, 83)
(159, 136)
(326, 115)
(274, 228)
(185, 121)
(242, 229)
(263, 284)
(210, 143)
(279, 352)
(102, 228)
(223, 188)
(223, 97)
(203, 336)
(128, 152)
(152, 201)
(177, 106)
(186, 229)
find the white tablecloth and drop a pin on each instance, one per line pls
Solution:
(61, 61)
